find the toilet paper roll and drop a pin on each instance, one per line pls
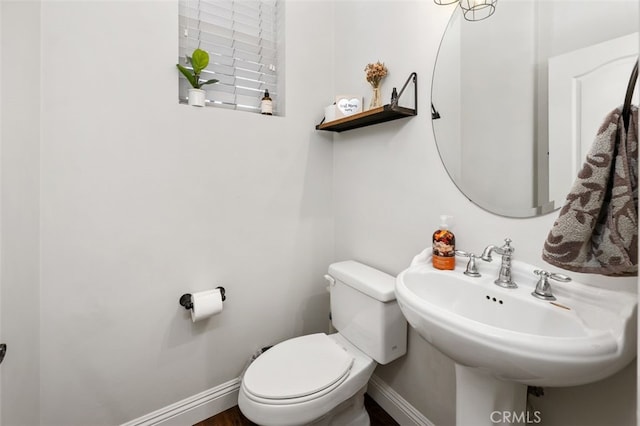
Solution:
(205, 304)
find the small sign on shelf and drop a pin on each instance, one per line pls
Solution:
(344, 106)
(348, 105)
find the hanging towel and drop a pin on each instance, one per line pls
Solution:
(597, 229)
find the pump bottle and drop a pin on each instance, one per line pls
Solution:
(444, 246)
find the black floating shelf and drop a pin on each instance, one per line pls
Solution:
(367, 118)
(377, 115)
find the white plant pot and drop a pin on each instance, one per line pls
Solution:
(197, 97)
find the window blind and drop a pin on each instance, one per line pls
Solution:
(241, 37)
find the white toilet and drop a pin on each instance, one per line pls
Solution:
(321, 379)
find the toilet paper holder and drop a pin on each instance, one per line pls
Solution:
(186, 301)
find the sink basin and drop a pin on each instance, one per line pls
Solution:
(586, 335)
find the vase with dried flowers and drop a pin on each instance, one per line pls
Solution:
(375, 73)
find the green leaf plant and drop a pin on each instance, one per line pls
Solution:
(199, 61)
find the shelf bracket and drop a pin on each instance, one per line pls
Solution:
(412, 77)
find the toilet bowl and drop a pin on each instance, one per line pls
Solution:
(320, 379)
(327, 380)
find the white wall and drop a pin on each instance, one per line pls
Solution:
(390, 187)
(19, 217)
(143, 199)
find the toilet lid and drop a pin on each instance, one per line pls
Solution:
(297, 367)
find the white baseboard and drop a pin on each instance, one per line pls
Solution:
(193, 409)
(394, 404)
(213, 401)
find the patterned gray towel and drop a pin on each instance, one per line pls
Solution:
(597, 229)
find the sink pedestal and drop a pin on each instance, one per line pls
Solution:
(483, 400)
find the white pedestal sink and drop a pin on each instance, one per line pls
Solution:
(505, 339)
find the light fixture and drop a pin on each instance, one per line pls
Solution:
(477, 10)
(473, 10)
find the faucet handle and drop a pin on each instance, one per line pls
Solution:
(472, 268)
(543, 288)
(553, 275)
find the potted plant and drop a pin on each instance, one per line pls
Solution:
(199, 61)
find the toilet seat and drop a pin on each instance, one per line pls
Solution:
(297, 370)
(309, 408)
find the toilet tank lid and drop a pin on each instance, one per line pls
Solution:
(365, 279)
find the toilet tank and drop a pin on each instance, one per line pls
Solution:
(364, 310)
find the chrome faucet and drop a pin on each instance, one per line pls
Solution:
(543, 288)
(504, 276)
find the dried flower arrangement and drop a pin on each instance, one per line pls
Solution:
(375, 73)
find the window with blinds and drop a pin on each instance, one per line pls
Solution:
(241, 37)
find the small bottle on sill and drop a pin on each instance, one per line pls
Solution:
(266, 106)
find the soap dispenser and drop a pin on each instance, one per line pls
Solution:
(444, 246)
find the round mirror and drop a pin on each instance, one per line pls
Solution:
(511, 127)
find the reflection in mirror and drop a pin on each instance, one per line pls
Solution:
(499, 83)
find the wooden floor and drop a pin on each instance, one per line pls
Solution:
(233, 416)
